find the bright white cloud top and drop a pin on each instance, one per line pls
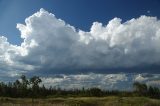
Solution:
(52, 44)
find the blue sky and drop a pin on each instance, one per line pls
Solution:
(93, 42)
(79, 13)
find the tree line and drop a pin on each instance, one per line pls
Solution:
(30, 88)
(144, 90)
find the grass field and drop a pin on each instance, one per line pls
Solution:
(82, 101)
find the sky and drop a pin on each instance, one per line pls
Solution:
(81, 43)
(87, 11)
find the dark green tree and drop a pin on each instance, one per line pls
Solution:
(35, 81)
(140, 88)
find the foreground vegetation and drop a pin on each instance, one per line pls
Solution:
(82, 101)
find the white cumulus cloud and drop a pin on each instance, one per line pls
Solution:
(50, 44)
(104, 81)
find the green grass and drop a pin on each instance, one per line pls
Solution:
(82, 101)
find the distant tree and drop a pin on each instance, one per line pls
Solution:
(140, 88)
(95, 92)
(35, 81)
(154, 92)
(17, 84)
(25, 82)
(23, 86)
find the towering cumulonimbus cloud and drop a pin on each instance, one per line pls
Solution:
(52, 44)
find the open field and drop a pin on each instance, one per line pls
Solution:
(82, 101)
